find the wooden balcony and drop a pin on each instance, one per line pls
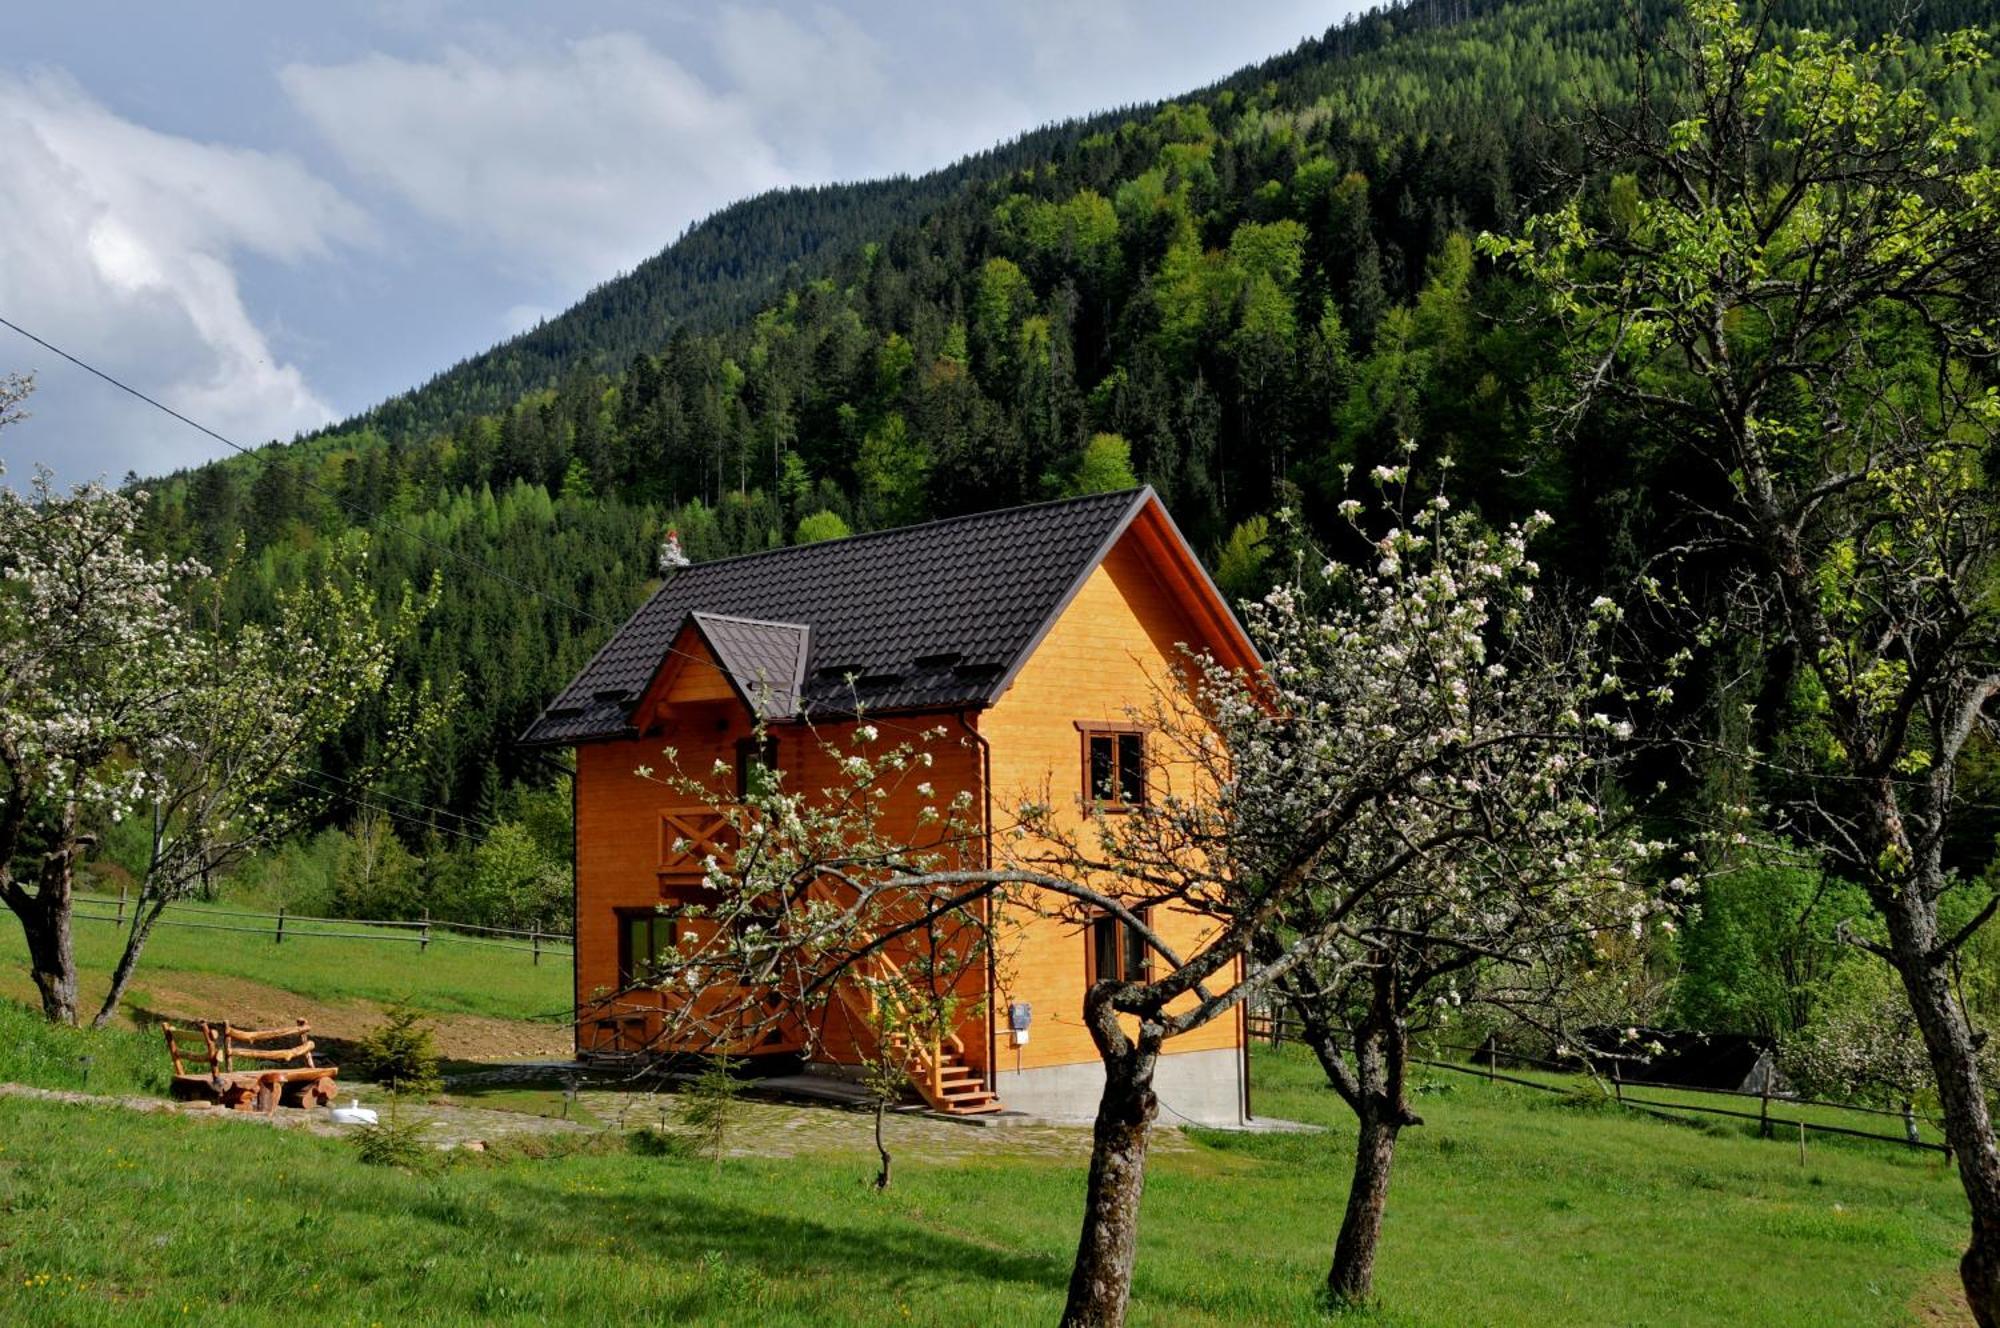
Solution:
(690, 836)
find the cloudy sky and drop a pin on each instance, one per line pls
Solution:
(271, 216)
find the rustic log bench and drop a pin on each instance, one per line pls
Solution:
(211, 1074)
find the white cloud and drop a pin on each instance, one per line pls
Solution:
(580, 161)
(573, 160)
(119, 245)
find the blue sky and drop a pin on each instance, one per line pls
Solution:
(271, 216)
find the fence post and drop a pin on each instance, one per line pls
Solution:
(121, 903)
(1618, 1081)
(1802, 1143)
(536, 941)
(280, 938)
(424, 939)
(1764, 1109)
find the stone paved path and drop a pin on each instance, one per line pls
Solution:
(763, 1129)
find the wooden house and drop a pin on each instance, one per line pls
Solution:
(1029, 635)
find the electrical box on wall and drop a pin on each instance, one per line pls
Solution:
(1019, 1015)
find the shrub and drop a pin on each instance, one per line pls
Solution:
(401, 1055)
(648, 1142)
(708, 1108)
(820, 526)
(394, 1143)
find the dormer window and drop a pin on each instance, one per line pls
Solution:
(1114, 766)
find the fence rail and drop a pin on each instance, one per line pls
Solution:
(282, 926)
(1277, 1028)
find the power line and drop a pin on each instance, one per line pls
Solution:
(371, 518)
(360, 791)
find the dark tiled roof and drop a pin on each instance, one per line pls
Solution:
(766, 660)
(929, 616)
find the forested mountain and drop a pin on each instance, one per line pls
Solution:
(1234, 297)
(730, 264)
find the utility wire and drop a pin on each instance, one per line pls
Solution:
(393, 813)
(371, 518)
(359, 791)
(367, 516)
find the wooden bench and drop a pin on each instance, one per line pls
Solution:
(210, 1073)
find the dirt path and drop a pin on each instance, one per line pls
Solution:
(461, 1037)
(1940, 1302)
(762, 1129)
(789, 1129)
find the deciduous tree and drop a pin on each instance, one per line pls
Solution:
(1794, 279)
(120, 695)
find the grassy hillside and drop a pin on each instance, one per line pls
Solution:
(1509, 1209)
(453, 975)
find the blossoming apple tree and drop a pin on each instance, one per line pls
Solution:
(122, 695)
(1470, 729)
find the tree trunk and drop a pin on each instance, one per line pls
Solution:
(1351, 1279)
(1968, 1126)
(1100, 1283)
(882, 1176)
(45, 921)
(128, 962)
(52, 958)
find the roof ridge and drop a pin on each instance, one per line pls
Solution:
(1127, 494)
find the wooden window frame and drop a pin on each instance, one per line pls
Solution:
(626, 917)
(1125, 942)
(1091, 730)
(752, 753)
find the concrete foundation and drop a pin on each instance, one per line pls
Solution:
(1194, 1087)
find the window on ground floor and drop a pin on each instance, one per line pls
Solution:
(644, 935)
(1118, 951)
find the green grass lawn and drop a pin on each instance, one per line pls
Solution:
(453, 975)
(1509, 1207)
(116, 1061)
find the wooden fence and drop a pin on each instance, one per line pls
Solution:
(1277, 1028)
(282, 925)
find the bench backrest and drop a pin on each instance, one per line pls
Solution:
(266, 1044)
(184, 1041)
(220, 1046)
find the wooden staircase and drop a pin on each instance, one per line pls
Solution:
(946, 1082)
(936, 1067)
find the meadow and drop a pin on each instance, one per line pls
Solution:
(452, 975)
(1510, 1207)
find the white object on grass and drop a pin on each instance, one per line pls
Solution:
(353, 1114)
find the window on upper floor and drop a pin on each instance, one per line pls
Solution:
(756, 766)
(1114, 767)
